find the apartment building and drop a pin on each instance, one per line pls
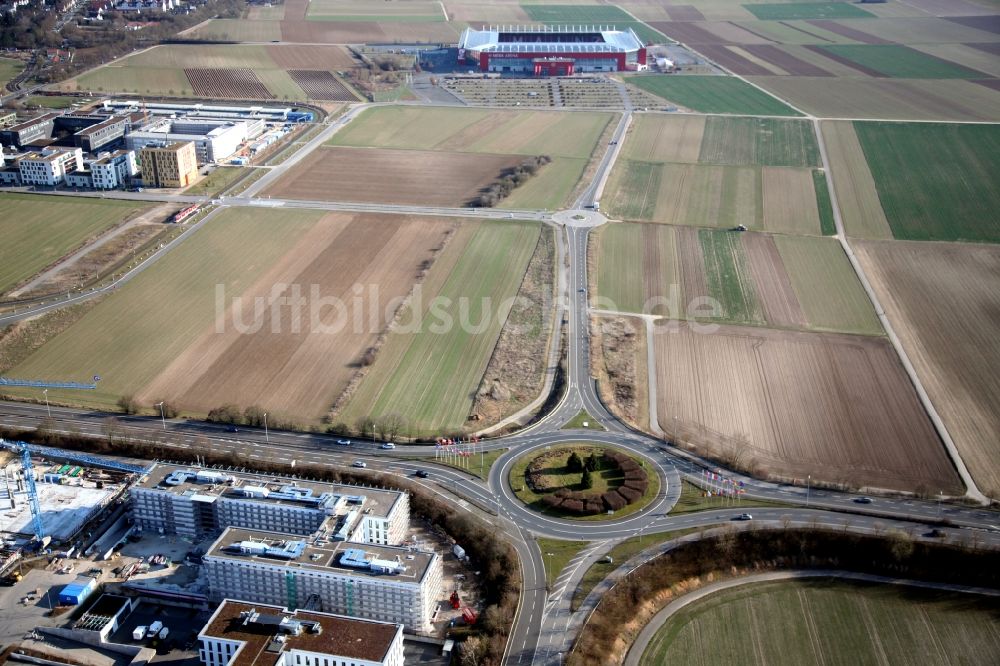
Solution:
(49, 167)
(199, 502)
(173, 165)
(261, 635)
(382, 583)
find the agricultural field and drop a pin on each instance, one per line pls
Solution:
(830, 621)
(935, 181)
(713, 94)
(788, 11)
(592, 15)
(431, 365)
(378, 175)
(485, 12)
(909, 99)
(237, 30)
(720, 172)
(787, 404)
(322, 85)
(781, 281)
(365, 11)
(365, 26)
(296, 363)
(899, 62)
(9, 68)
(38, 231)
(857, 196)
(942, 301)
(219, 70)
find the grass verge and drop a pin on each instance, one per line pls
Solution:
(583, 420)
(556, 554)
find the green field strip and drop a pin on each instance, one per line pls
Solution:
(827, 288)
(281, 85)
(761, 141)
(727, 273)
(431, 376)
(827, 224)
(133, 79)
(609, 15)
(635, 186)
(829, 621)
(550, 188)
(134, 334)
(38, 230)
(789, 11)
(936, 181)
(619, 274)
(713, 94)
(9, 68)
(573, 135)
(901, 62)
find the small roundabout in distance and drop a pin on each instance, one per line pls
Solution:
(581, 480)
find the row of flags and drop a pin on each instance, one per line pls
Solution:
(455, 450)
(717, 484)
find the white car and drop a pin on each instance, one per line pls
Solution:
(344, 442)
(360, 463)
(744, 516)
(388, 445)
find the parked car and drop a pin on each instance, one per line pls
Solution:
(360, 463)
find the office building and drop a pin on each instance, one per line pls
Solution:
(173, 165)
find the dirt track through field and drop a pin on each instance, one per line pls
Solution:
(293, 364)
(837, 407)
(391, 176)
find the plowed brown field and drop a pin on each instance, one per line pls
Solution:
(322, 85)
(391, 176)
(228, 83)
(943, 301)
(291, 364)
(834, 406)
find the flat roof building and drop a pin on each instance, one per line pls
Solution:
(214, 140)
(173, 165)
(382, 583)
(244, 634)
(199, 502)
(22, 133)
(49, 167)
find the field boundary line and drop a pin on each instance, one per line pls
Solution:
(642, 641)
(972, 491)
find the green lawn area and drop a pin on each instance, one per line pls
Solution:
(826, 222)
(129, 337)
(556, 554)
(604, 479)
(54, 101)
(694, 499)
(217, 181)
(728, 275)
(38, 230)
(901, 62)
(936, 181)
(713, 94)
(477, 465)
(550, 187)
(430, 376)
(581, 418)
(791, 11)
(830, 621)
(593, 15)
(9, 68)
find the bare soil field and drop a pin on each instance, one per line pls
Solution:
(486, 12)
(790, 64)
(733, 61)
(290, 364)
(774, 287)
(860, 206)
(789, 404)
(886, 98)
(322, 85)
(391, 176)
(364, 32)
(228, 83)
(943, 302)
(849, 32)
(790, 201)
(330, 58)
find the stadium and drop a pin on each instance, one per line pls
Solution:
(551, 50)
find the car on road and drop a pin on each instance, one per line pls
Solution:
(388, 445)
(744, 516)
(420, 474)
(360, 463)
(344, 442)
(864, 500)
(232, 428)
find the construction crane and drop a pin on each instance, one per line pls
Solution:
(22, 449)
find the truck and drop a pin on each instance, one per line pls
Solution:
(139, 632)
(154, 629)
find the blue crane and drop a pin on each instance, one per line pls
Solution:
(22, 449)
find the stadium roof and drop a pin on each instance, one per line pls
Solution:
(611, 40)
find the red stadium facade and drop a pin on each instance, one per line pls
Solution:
(551, 50)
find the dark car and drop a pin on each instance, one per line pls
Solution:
(420, 474)
(864, 500)
(232, 428)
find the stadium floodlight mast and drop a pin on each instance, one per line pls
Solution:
(48, 411)
(163, 418)
(266, 438)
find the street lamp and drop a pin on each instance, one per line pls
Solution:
(549, 569)
(48, 411)
(163, 419)
(808, 483)
(266, 438)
